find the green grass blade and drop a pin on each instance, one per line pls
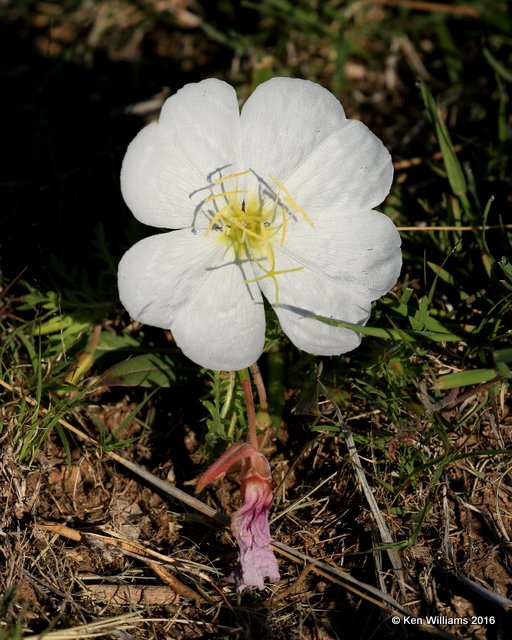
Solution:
(391, 334)
(465, 378)
(500, 69)
(453, 167)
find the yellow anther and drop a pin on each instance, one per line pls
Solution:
(285, 225)
(250, 224)
(218, 216)
(270, 257)
(273, 274)
(291, 202)
(232, 175)
(223, 194)
(245, 228)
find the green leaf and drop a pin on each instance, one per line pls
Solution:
(502, 359)
(502, 71)
(451, 162)
(441, 273)
(148, 370)
(503, 355)
(506, 267)
(434, 329)
(112, 342)
(398, 335)
(276, 374)
(465, 378)
(419, 319)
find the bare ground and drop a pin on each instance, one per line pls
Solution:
(91, 542)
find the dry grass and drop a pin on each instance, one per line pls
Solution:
(99, 547)
(393, 491)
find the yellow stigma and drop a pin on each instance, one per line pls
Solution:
(253, 223)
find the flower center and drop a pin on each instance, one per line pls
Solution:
(245, 223)
(253, 221)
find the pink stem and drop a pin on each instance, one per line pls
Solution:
(251, 413)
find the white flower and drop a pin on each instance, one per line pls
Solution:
(276, 200)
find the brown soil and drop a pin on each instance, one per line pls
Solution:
(79, 542)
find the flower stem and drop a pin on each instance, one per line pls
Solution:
(249, 402)
(229, 395)
(260, 387)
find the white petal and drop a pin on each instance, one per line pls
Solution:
(223, 326)
(167, 163)
(188, 283)
(351, 170)
(306, 293)
(360, 252)
(345, 265)
(283, 121)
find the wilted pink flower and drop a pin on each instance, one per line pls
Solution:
(249, 525)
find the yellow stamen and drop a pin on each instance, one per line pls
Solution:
(216, 218)
(223, 194)
(285, 225)
(272, 274)
(250, 222)
(232, 175)
(291, 202)
(245, 229)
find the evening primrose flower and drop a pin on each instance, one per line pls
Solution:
(276, 200)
